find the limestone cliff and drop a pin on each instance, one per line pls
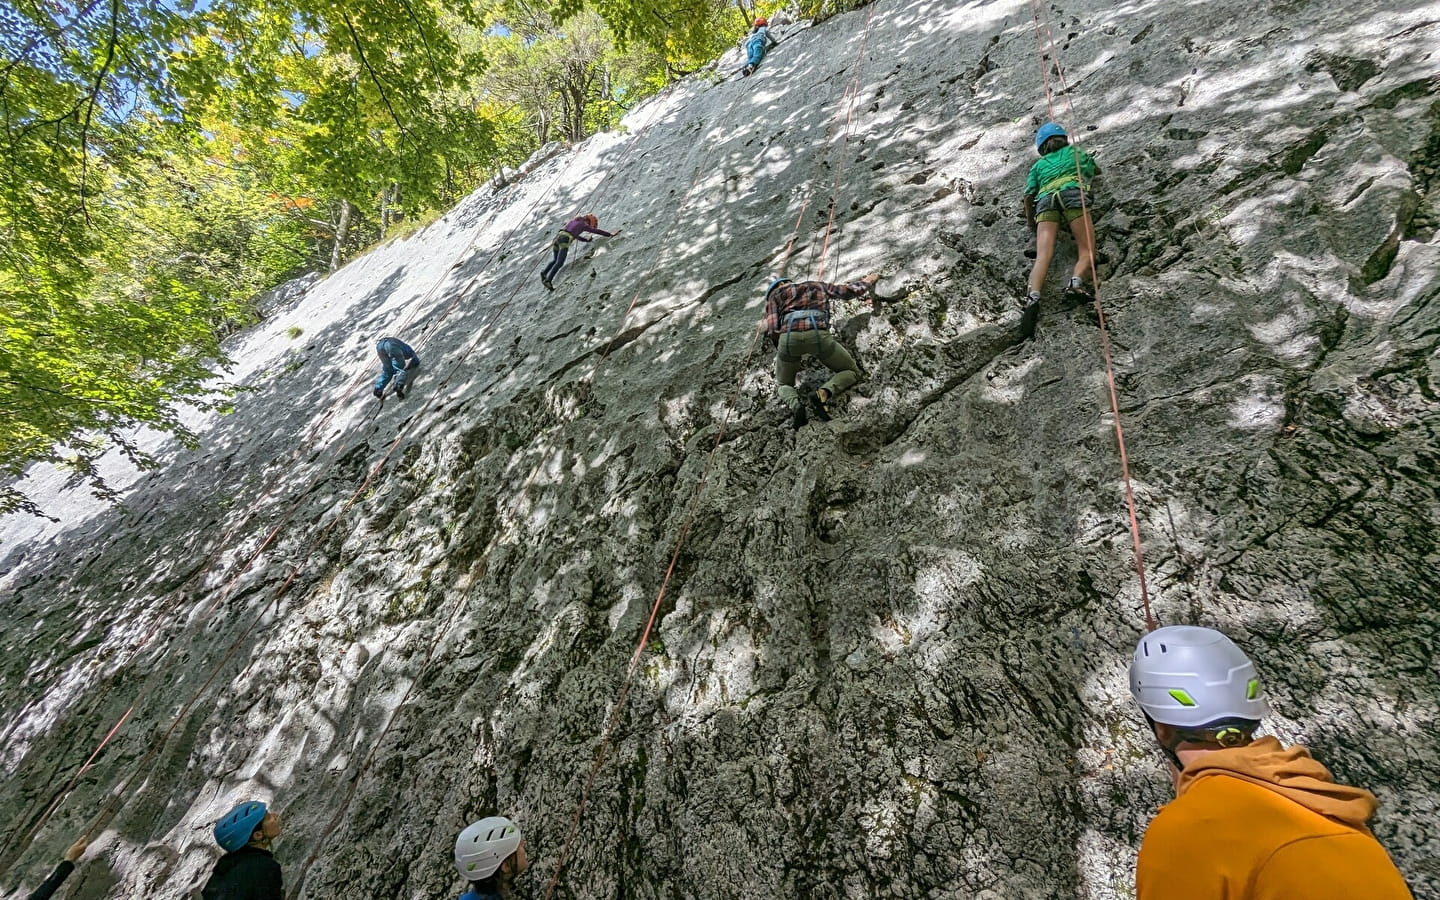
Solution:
(890, 659)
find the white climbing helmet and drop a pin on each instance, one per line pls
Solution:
(481, 848)
(1192, 677)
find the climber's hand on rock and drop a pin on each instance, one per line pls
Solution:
(76, 850)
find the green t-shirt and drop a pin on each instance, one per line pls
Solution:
(1056, 171)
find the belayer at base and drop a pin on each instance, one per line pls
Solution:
(248, 870)
(489, 854)
(1251, 819)
(62, 871)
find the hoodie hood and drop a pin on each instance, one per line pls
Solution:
(1293, 773)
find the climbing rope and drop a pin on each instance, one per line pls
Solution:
(617, 707)
(297, 883)
(1105, 347)
(844, 109)
(660, 247)
(109, 807)
(845, 141)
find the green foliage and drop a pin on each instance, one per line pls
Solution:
(166, 163)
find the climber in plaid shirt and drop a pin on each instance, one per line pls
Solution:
(797, 317)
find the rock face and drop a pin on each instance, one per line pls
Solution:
(889, 658)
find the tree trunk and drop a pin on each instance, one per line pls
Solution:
(384, 212)
(341, 231)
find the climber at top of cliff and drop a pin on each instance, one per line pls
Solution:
(489, 854)
(757, 42)
(248, 870)
(1251, 819)
(1058, 190)
(396, 358)
(797, 318)
(62, 871)
(574, 230)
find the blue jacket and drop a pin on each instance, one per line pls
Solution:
(249, 873)
(395, 357)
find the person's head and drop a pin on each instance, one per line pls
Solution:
(1049, 138)
(490, 852)
(775, 284)
(761, 22)
(1197, 689)
(590, 218)
(249, 822)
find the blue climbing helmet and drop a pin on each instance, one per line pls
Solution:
(1046, 132)
(234, 829)
(774, 284)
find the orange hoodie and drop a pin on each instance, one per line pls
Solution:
(1261, 822)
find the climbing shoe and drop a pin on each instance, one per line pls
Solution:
(548, 285)
(1029, 316)
(379, 393)
(799, 417)
(1079, 292)
(820, 406)
(747, 72)
(399, 392)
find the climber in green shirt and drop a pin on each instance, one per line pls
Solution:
(1058, 190)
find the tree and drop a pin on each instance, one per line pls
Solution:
(162, 161)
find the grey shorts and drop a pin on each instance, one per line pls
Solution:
(1064, 205)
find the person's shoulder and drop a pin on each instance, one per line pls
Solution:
(1331, 866)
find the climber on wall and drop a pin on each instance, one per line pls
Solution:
(757, 42)
(1058, 190)
(1251, 819)
(62, 871)
(797, 318)
(247, 871)
(396, 358)
(574, 230)
(489, 854)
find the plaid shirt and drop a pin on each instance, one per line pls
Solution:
(806, 296)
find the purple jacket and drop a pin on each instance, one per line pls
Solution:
(577, 227)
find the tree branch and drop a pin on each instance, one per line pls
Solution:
(384, 97)
(90, 103)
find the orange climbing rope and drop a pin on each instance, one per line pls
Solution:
(617, 707)
(1054, 56)
(845, 141)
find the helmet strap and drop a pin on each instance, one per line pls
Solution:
(1168, 747)
(1225, 735)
